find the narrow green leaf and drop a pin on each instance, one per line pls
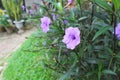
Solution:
(104, 4)
(109, 72)
(118, 43)
(101, 31)
(82, 18)
(79, 1)
(116, 4)
(118, 56)
(99, 70)
(109, 50)
(92, 61)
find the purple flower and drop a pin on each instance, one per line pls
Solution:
(65, 21)
(45, 23)
(23, 7)
(71, 37)
(31, 11)
(70, 1)
(54, 16)
(117, 30)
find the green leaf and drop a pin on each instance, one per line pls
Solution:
(67, 75)
(103, 4)
(82, 18)
(118, 43)
(101, 31)
(109, 72)
(92, 61)
(79, 1)
(102, 16)
(109, 50)
(99, 70)
(118, 55)
(116, 4)
(59, 6)
(55, 40)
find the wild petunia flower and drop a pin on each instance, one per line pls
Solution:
(23, 7)
(71, 37)
(54, 16)
(70, 4)
(117, 30)
(65, 21)
(30, 11)
(70, 1)
(45, 23)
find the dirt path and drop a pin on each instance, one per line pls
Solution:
(9, 43)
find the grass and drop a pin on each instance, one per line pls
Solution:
(26, 64)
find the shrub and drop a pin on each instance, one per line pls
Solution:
(84, 41)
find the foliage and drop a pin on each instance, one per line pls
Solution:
(1, 12)
(97, 55)
(13, 8)
(3, 19)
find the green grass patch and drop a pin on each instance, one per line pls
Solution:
(27, 63)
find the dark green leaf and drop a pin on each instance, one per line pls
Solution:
(82, 18)
(103, 4)
(92, 61)
(116, 4)
(109, 72)
(101, 31)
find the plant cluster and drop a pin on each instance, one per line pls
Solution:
(84, 40)
(13, 8)
(3, 19)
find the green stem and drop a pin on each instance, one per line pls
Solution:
(92, 14)
(114, 35)
(111, 60)
(80, 8)
(115, 22)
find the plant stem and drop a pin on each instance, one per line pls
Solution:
(80, 8)
(92, 14)
(111, 60)
(77, 55)
(115, 22)
(114, 35)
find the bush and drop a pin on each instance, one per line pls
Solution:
(85, 40)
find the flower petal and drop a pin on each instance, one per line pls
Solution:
(71, 37)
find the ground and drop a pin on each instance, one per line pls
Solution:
(9, 43)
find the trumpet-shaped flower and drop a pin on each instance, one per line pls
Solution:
(45, 23)
(65, 21)
(31, 12)
(117, 30)
(23, 7)
(54, 16)
(70, 1)
(71, 37)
